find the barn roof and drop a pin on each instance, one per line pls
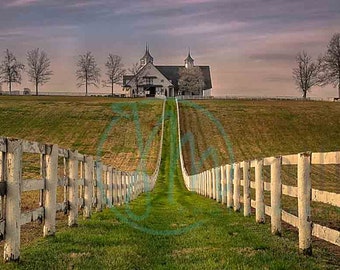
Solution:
(172, 74)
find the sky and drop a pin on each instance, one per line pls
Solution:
(250, 45)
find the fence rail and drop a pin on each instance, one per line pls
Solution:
(224, 184)
(237, 97)
(87, 184)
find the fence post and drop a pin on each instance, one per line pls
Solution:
(88, 183)
(134, 185)
(51, 161)
(109, 186)
(211, 183)
(133, 180)
(3, 178)
(100, 187)
(13, 200)
(73, 188)
(214, 182)
(139, 183)
(275, 195)
(123, 188)
(259, 192)
(304, 198)
(114, 187)
(201, 183)
(117, 184)
(224, 184)
(120, 187)
(237, 205)
(205, 183)
(129, 181)
(127, 187)
(229, 187)
(218, 184)
(246, 190)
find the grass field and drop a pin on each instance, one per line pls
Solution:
(80, 123)
(260, 128)
(169, 228)
(266, 128)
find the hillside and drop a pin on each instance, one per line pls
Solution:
(169, 228)
(255, 129)
(116, 128)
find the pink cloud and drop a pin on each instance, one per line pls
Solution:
(21, 3)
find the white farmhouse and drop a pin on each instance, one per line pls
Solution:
(152, 80)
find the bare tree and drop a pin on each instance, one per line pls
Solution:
(137, 77)
(10, 70)
(306, 73)
(38, 68)
(191, 80)
(330, 67)
(88, 72)
(114, 71)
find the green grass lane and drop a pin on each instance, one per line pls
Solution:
(169, 228)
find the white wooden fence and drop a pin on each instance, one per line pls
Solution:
(87, 184)
(236, 97)
(224, 184)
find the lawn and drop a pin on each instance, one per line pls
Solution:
(169, 228)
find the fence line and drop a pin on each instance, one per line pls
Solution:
(228, 184)
(87, 183)
(235, 97)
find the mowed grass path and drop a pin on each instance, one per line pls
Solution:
(169, 228)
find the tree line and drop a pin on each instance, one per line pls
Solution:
(87, 73)
(39, 70)
(323, 71)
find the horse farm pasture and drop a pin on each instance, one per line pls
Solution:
(170, 227)
(115, 129)
(265, 128)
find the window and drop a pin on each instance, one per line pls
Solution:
(148, 80)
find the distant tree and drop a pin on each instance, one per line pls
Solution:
(306, 73)
(88, 72)
(114, 71)
(191, 80)
(330, 67)
(10, 70)
(137, 77)
(38, 68)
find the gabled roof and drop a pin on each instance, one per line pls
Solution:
(127, 78)
(172, 74)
